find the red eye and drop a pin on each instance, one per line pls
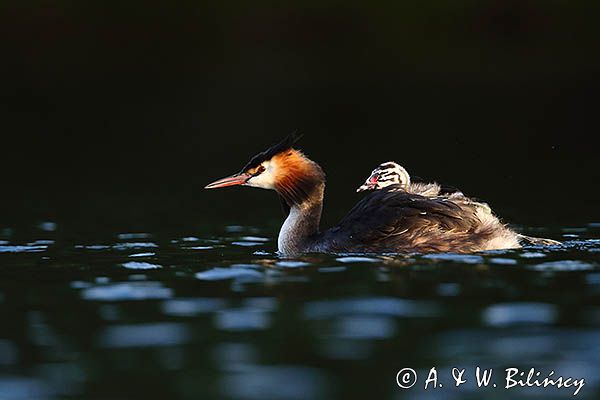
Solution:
(373, 179)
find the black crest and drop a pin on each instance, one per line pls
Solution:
(277, 148)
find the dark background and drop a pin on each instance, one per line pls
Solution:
(118, 114)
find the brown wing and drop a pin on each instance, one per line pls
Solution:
(395, 221)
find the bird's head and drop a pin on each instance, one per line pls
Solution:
(281, 168)
(386, 174)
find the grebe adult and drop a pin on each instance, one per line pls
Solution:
(384, 221)
(393, 175)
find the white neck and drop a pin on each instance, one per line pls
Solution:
(301, 224)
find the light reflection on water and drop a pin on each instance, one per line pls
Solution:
(281, 382)
(124, 291)
(144, 335)
(223, 317)
(140, 265)
(502, 315)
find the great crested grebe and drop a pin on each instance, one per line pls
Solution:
(384, 221)
(393, 175)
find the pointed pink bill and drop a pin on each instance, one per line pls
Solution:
(233, 180)
(370, 184)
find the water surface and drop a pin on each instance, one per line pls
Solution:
(168, 315)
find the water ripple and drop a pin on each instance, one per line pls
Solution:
(134, 245)
(563, 265)
(247, 244)
(349, 260)
(199, 248)
(461, 258)
(142, 255)
(373, 305)
(260, 382)
(501, 315)
(22, 388)
(292, 264)
(23, 249)
(144, 335)
(140, 265)
(48, 226)
(217, 274)
(242, 319)
(365, 327)
(255, 239)
(191, 307)
(127, 236)
(127, 291)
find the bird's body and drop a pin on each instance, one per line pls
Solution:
(390, 176)
(390, 220)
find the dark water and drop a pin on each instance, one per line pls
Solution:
(167, 315)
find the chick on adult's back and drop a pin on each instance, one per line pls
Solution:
(392, 176)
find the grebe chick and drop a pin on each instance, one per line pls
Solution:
(384, 221)
(391, 173)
